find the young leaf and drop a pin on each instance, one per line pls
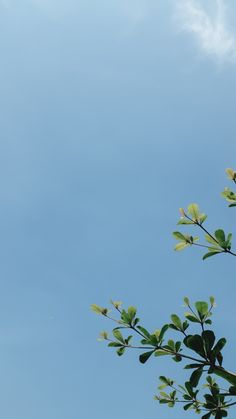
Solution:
(181, 246)
(99, 310)
(186, 301)
(211, 240)
(193, 210)
(202, 308)
(176, 320)
(231, 174)
(132, 312)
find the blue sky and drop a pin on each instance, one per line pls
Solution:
(113, 115)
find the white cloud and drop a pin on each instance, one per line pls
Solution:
(211, 30)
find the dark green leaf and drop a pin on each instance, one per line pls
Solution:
(145, 356)
(209, 254)
(209, 339)
(120, 351)
(114, 344)
(219, 346)
(191, 366)
(207, 416)
(232, 390)
(187, 406)
(163, 331)
(195, 377)
(177, 358)
(195, 343)
(189, 388)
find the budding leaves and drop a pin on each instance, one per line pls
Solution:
(184, 240)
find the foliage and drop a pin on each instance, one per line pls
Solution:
(219, 241)
(199, 350)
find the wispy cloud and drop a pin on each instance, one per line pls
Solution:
(211, 30)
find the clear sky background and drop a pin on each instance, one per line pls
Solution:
(114, 113)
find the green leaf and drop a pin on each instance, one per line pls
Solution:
(212, 301)
(202, 218)
(116, 304)
(209, 254)
(177, 358)
(188, 406)
(115, 345)
(195, 343)
(145, 356)
(211, 240)
(99, 310)
(191, 366)
(181, 246)
(179, 236)
(118, 335)
(163, 331)
(171, 344)
(103, 335)
(160, 352)
(125, 317)
(209, 339)
(219, 346)
(191, 318)
(132, 312)
(164, 380)
(177, 346)
(231, 173)
(229, 195)
(207, 416)
(120, 351)
(221, 372)
(195, 377)
(220, 235)
(144, 331)
(184, 221)
(232, 390)
(202, 308)
(176, 320)
(193, 210)
(189, 388)
(186, 301)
